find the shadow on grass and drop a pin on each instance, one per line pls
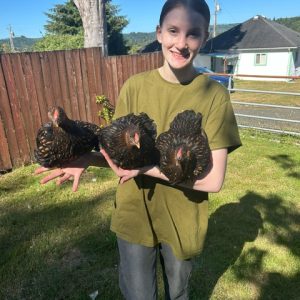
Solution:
(234, 224)
(60, 251)
(287, 163)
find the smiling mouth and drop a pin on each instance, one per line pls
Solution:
(181, 55)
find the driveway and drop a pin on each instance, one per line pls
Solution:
(285, 114)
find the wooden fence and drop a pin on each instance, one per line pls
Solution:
(31, 83)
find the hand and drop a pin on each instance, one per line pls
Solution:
(70, 170)
(124, 175)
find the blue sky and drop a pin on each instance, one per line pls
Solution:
(27, 17)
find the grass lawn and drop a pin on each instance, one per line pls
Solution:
(56, 244)
(280, 86)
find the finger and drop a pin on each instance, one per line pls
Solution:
(54, 174)
(124, 179)
(63, 179)
(40, 170)
(75, 183)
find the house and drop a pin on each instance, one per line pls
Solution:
(258, 46)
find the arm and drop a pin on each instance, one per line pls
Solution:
(73, 169)
(212, 182)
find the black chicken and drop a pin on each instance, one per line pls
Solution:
(63, 139)
(130, 141)
(184, 150)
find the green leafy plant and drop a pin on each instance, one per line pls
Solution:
(107, 111)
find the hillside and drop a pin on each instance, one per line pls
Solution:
(293, 23)
(21, 43)
(141, 39)
(138, 40)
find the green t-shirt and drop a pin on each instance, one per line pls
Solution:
(149, 210)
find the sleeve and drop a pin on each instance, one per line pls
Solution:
(221, 126)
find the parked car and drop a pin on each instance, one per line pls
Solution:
(224, 80)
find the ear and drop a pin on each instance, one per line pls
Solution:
(205, 39)
(206, 36)
(158, 33)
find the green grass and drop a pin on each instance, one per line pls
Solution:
(281, 86)
(56, 244)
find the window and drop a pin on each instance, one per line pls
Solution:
(260, 59)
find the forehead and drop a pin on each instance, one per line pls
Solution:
(185, 17)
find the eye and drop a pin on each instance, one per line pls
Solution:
(195, 35)
(172, 31)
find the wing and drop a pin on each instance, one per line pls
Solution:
(187, 122)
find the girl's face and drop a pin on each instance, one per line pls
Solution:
(181, 35)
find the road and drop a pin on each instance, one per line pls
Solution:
(286, 114)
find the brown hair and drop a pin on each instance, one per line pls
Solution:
(199, 6)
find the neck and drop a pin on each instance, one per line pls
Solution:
(184, 75)
(68, 125)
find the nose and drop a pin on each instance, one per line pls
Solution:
(181, 42)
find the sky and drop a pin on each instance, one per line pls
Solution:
(27, 17)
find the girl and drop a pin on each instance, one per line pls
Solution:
(150, 216)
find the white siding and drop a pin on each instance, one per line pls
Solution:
(277, 65)
(202, 61)
(297, 63)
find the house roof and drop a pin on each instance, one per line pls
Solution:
(256, 33)
(152, 47)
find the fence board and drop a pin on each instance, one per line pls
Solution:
(115, 77)
(71, 79)
(31, 83)
(16, 112)
(98, 66)
(55, 83)
(39, 85)
(64, 84)
(85, 84)
(7, 118)
(109, 80)
(23, 102)
(5, 161)
(32, 92)
(47, 80)
(97, 58)
(79, 87)
(92, 84)
(34, 114)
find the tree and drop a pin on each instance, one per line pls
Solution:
(93, 18)
(64, 19)
(5, 47)
(115, 25)
(59, 42)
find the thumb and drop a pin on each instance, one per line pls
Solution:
(125, 178)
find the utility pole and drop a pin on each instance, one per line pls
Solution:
(217, 9)
(11, 36)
